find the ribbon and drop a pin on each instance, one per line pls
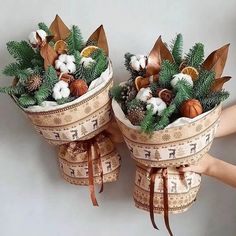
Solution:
(153, 174)
(94, 153)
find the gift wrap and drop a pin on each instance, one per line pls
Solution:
(182, 189)
(174, 146)
(73, 161)
(80, 119)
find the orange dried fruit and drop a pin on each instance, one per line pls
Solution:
(191, 71)
(86, 52)
(60, 47)
(141, 82)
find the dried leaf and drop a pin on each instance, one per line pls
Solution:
(59, 29)
(99, 36)
(216, 60)
(48, 54)
(219, 83)
(158, 53)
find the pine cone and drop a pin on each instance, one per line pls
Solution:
(136, 115)
(129, 93)
(34, 83)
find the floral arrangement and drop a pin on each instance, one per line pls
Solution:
(166, 85)
(55, 64)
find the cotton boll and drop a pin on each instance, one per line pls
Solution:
(62, 57)
(32, 38)
(144, 94)
(42, 34)
(135, 63)
(179, 77)
(143, 61)
(58, 63)
(71, 67)
(157, 104)
(69, 58)
(86, 61)
(61, 90)
(63, 68)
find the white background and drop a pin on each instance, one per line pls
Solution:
(35, 200)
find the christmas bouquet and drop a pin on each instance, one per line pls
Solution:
(62, 83)
(168, 113)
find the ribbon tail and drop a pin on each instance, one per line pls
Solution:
(165, 198)
(151, 203)
(100, 165)
(90, 175)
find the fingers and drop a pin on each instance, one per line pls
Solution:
(187, 169)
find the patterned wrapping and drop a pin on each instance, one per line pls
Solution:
(174, 146)
(182, 190)
(73, 161)
(80, 121)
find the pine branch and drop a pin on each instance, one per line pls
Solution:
(44, 27)
(184, 91)
(154, 86)
(64, 100)
(12, 69)
(116, 92)
(75, 41)
(26, 100)
(45, 90)
(148, 123)
(167, 71)
(213, 100)
(195, 56)
(22, 52)
(177, 49)
(94, 70)
(164, 120)
(13, 90)
(203, 85)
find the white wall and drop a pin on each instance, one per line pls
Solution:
(34, 198)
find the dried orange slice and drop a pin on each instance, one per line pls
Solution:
(141, 82)
(189, 70)
(60, 47)
(86, 52)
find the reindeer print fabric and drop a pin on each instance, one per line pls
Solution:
(73, 162)
(182, 190)
(173, 146)
(80, 121)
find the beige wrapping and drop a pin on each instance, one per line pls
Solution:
(175, 146)
(182, 190)
(73, 162)
(79, 121)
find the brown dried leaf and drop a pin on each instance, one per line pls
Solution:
(216, 60)
(59, 29)
(48, 54)
(99, 36)
(158, 53)
(219, 83)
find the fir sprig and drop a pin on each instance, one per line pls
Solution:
(116, 93)
(167, 71)
(177, 49)
(22, 52)
(195, 56)
(75, 41)
(26, 100)
(214, 99)
(148, 123)
(164, 120)
(45, 90)
(203, 84)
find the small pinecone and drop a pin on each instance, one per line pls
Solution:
(34, 83)
(129, 93)
(136, 115)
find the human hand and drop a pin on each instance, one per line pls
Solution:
(202, 167)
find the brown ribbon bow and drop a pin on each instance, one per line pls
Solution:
(153, 174)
